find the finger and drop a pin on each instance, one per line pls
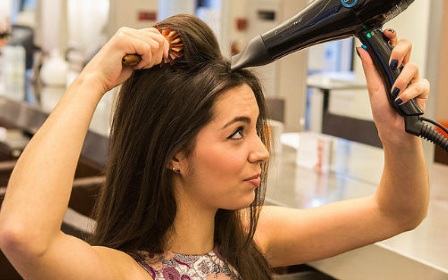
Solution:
(131, 40)
(424, 93)
(163, 40)
(152, 56)
(146, 44)
(157, 45)
(408, 74)
(418, 91)
(409, 85)
(391, 35)
(401, 49)
(401, 54)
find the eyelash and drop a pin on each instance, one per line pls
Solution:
(239, 130)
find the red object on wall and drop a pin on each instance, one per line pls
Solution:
(445, 124)
(147, 16)
(440, 155)
(241, 24)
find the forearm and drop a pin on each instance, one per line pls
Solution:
(40, 185)
(403, 194)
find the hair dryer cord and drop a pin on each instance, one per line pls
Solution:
(415, 125)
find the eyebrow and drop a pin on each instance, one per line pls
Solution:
(238, 119)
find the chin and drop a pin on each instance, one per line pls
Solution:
(242, 203)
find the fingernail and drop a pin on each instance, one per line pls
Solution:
(357, 52)
(391, 30)
(393, 64)
(398, 101)
(395, 92)
(364, 47)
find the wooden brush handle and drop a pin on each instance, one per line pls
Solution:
(131, 59)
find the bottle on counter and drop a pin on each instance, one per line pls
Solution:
(13, 72)
(54, 80)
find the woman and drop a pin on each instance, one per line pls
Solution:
(186, 172)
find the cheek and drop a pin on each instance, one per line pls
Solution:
(218, 166)
(216, 179)
(223, 161)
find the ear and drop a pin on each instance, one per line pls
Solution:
(177, 163)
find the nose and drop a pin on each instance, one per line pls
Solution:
(259, 153)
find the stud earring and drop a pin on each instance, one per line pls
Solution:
(175, 170)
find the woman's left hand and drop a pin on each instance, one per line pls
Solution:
(409, 85)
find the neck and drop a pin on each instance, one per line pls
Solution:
(193, 230)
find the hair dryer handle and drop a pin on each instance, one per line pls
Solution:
(377, 45)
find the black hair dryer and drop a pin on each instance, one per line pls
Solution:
(327, 20)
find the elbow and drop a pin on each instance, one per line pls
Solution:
(8, 239)
(403, 219)
(417, 220)
(417, 213)
(410, 221)
(11, 239)
(15, 241)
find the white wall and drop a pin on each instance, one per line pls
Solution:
(442, 96)
(168, 8)
(125, 13)
(5, 8)
(88, 33)
(51, 25)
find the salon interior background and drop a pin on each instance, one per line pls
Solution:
(75, 29)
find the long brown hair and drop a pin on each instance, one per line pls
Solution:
(159, 113)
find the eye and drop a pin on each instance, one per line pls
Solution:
(237, 134)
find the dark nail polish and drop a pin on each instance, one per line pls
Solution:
(398, 101)
(393, 64)
(391, 30)
(395, 92)
(357, 52)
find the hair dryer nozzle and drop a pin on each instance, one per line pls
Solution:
(255, 54)
(320, 21)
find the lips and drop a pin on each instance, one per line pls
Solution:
(254, 180)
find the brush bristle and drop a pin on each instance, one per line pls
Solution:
(176, 46)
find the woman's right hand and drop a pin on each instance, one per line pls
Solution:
(106, 67)
(409, 85)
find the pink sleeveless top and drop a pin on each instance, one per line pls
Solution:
(173, 266)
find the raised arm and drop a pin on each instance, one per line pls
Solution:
(291, 236)
(39, 189)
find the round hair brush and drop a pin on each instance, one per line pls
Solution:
(175, 49)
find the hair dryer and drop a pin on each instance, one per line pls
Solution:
(326, 20)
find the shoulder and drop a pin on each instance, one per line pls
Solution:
(122, 264)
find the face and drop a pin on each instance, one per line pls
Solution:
(224, 169)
